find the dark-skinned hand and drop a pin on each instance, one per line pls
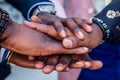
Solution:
(91, 40)
(24, 40)
(59, 23)
(65, 58)
(60, 63)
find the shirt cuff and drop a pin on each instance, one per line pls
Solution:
(4, 53)
(32, 7)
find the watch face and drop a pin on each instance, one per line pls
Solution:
(47, 8)
(44, 8)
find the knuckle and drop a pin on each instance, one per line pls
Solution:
(57, 21)
(76, 28)
(58, 25)
(69, 20)
(75, 18)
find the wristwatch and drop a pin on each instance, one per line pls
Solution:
(4, 19)
(44, 8)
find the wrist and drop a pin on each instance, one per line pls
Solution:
(103, 27)
(7, 32)
(9, 37)
(98, 35)
(47, 7)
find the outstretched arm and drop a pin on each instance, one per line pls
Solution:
(35, 7)
(106, 27)
(59, 63)
(90, 40)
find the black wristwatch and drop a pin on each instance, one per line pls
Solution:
(4, 19)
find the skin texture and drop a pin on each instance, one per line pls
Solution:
(64, 63)
(59, 24)
(55, 62)
(86, 62)
(90, 39)
(24, 40)
(59, 63)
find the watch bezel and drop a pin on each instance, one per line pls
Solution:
(47, 8)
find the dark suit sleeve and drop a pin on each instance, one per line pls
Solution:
(24, 5)
(111, 16)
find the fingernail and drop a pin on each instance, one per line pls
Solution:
(47, 69)
(80, 35)
(89, 28)
(60, 67)
(67, 69)
(79, 63)
(39, 65)
(31, 58)
(87, 64)
(85, 48)
(67, 43)
(63, 33)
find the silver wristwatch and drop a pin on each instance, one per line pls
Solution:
(44, 8)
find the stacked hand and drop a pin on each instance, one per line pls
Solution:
(24, 40)
(55, 62)
(77, 35)
(85, 36)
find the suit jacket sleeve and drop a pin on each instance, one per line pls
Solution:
(24, 5)
(111, 16)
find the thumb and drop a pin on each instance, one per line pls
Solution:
(95, 64)
(71, 42)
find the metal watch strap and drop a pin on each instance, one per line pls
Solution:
(44, 8)
(4, 19)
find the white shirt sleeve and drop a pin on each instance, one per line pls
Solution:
(4, 53)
